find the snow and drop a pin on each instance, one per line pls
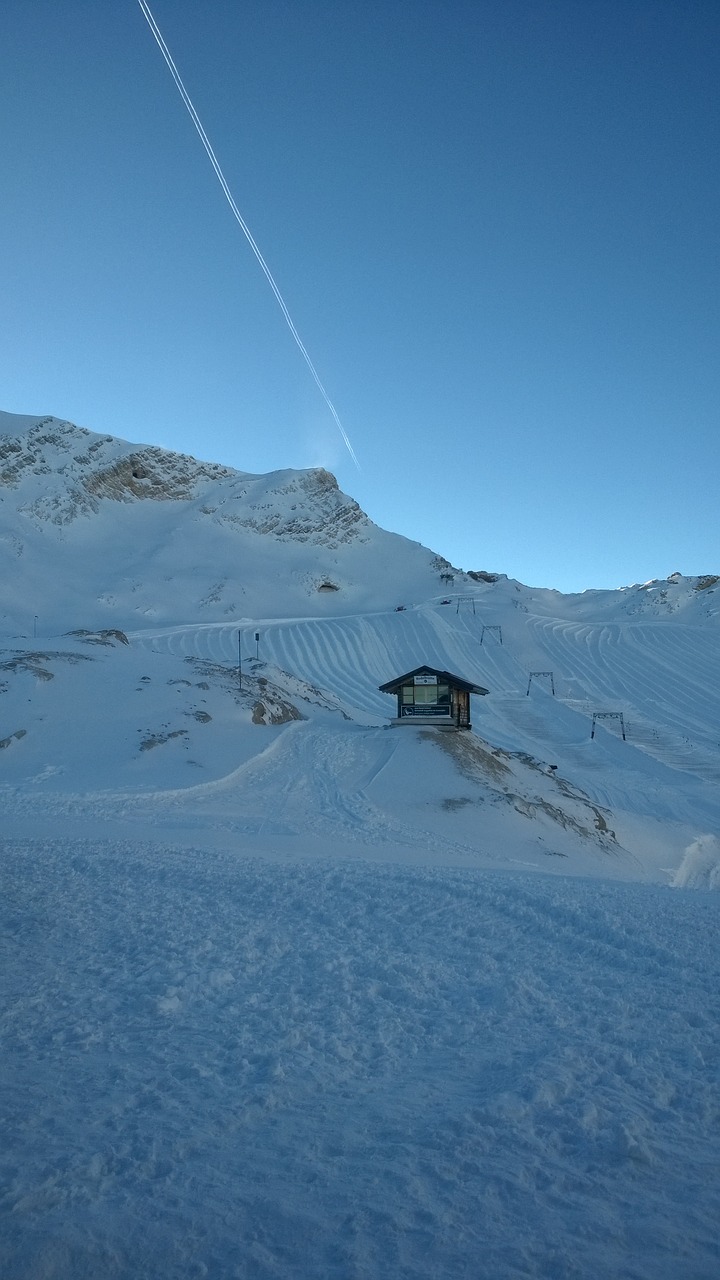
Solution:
(225, 1065)
(700, 867)
(287, 992)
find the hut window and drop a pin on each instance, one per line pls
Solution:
(426, 694)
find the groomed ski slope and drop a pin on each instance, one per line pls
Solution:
(662, 677)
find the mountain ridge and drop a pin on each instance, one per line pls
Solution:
(65, 490)
(192, 525)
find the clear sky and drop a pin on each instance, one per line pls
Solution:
(495, 224)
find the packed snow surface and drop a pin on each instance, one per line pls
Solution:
(289, 992)
(225, 1065)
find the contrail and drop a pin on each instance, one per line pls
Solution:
(242, 223)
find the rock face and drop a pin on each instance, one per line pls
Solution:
(139, 535)
(151, 473)
(65, 472)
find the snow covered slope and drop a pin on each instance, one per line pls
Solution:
(99, 532)
(134, 577)
(279, 997)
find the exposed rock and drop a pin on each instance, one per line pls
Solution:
(275, 712)
(159, 739)
(479, 762)
(107, 636)
(34, 663)
(152, 473)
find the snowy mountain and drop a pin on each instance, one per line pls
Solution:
(100, 532)
(285, 992)
(134, 576)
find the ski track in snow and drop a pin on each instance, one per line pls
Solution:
(309, 783)
(223, 1067)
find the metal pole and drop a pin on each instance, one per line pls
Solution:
(239, 660)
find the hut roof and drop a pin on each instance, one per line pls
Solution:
(446, 676)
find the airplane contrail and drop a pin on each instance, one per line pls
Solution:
(242, 223)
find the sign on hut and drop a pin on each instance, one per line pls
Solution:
(429, 696)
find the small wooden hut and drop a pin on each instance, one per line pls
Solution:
(428, 696)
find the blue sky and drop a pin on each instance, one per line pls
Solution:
(495, 225)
